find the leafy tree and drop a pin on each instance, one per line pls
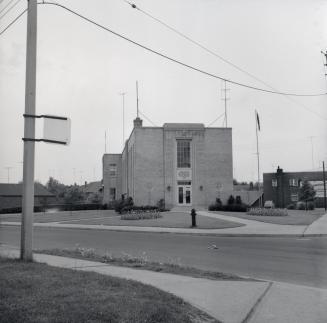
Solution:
(56, 188)
(307, 193)
(73, 195)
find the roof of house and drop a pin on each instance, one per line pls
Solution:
(16, 190)
(92, 187)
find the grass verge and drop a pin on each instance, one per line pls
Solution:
(141, 263)
(34, 292)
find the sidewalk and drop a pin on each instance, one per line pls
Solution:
(251, 228)
(227, 301)
(318, 227)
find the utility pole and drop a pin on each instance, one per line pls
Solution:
(8, 173)
(123, 95)
(324, 177)
(26, 250)
(258, 159)
(225, 101)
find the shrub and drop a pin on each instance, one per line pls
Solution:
(217, 206)
(290, 207)
(311, 206)
(267, 212)
(300, 206)
(235, 208)
(231, 200)
(124, 205)
(238, 200)
(161, 205)
(141, 215)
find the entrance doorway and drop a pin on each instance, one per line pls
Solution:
(184, 193)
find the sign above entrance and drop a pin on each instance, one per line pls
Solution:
(184, 174)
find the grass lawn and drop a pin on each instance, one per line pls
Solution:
(168, 220)
(140, 263)
(110, 217)
(33, 292)
(42, 217)
(294, 217)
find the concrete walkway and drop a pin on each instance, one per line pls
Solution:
(251, 228)
(318, 227)
(227, 301)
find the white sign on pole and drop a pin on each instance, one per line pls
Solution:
(56, 129)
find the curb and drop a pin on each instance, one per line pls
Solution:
(164, 231)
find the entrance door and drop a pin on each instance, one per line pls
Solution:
(184, 195)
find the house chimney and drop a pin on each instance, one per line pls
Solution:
(85, 183)
(138, 122)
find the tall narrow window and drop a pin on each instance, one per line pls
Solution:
(113, 193)
(112, 169)
(183, 153)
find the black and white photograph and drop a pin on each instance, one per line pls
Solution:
(163, 161)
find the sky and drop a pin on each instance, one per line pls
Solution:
(81, 71)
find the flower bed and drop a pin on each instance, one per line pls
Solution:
(141, 215)
(267, 212)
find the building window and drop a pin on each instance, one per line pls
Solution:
(112, 169)
(294, 197)
(293, 182)
(274, 182)
(183, 153)
(112, 193)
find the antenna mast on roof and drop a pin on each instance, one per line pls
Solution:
(137, 99)
(225, 98)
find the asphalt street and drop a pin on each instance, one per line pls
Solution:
(294, 260)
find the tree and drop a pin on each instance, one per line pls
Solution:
(307, 193)
(56, 188)
(73, 195)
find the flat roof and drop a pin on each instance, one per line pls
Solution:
(183, 125)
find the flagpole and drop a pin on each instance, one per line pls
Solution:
(258, 160)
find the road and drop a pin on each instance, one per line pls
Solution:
(294, 260)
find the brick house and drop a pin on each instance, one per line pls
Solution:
(283, 187)
(11, 196)
(183, 164)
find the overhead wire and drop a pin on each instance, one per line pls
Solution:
(148, 119)
(211, 123)
(175, 60)
(12, 7)
(9, 25)
(6, 6)
(134, 6)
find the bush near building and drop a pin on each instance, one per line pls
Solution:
(233, 205)
(267, 212)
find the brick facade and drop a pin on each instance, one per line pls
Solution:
(147, 168)
(283, 187)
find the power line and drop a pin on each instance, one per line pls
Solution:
(8, 26)
(218, 56)
(15, 4)
(141, 113)
(211, 123)
(175, 60)
(6, 6)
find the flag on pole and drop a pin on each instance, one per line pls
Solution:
(258, 120)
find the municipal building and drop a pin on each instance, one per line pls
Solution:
(185, 164)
